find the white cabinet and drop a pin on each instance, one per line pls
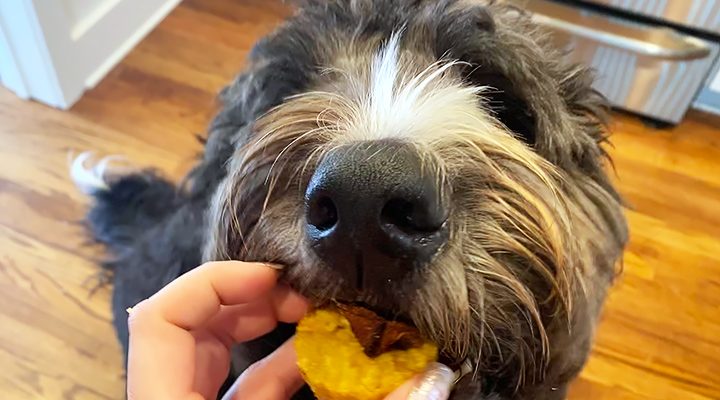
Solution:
(53, 50)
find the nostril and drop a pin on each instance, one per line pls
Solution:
(322, 213)
(409, 217)
(399, 212)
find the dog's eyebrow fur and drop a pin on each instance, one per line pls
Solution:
(390, 94)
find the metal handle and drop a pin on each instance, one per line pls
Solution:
(650, 41)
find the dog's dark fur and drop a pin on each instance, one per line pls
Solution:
(536, 228)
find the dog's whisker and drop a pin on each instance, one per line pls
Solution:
(290, 145)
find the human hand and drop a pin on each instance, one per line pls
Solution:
(180, 338)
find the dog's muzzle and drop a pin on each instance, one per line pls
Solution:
(375, 212)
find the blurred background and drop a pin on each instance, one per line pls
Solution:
(140, 77)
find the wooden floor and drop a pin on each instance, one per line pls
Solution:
(660, 335)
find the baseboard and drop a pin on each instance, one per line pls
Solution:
(706, 108)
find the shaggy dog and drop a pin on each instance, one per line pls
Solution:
(433, 160)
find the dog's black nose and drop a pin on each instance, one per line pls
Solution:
(374, 212)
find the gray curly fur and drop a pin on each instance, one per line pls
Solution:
(521, 347)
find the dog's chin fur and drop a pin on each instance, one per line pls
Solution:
(535, 229)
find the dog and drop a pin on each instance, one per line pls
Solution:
(434, 160)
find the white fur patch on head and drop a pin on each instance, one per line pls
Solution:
(402, 102)
(88, 174)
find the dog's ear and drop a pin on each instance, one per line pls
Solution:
(276, 70)
(506, 103)
(265, 84)
(279, 65)
(588, 107)
(469, 35)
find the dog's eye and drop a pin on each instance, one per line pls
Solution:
(507, 105)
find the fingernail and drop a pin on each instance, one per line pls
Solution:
(435, 384)
(276, 267)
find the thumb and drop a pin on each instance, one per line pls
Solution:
(433, 384)
(275, 377)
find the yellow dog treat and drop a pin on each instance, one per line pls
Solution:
(352, 354)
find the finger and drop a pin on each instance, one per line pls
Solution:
(276, 377)
(212, 364)
(193, 298)
(161, 360)
(240, 323)
(433, 384)
(289, 305)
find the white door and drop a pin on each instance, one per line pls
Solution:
(53, 50)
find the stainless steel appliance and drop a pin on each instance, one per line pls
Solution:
(653, 57)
